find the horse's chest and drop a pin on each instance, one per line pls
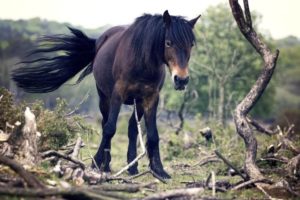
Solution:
(139, 91)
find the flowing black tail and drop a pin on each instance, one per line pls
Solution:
(77, 52)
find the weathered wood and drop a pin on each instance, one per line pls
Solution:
(27, 151)
(27, 176)
(76, 148)
(71, 193)
(259, 127)
(244, 107)
(175, 194)
(293, 167)
(227, 162)
(286, 142)
(59, 155)
(247, 183)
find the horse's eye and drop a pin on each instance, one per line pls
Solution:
(168, 43)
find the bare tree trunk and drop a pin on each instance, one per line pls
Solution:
(221, 104)
(240, 115)
(210, 99)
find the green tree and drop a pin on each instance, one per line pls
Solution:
(223, 67)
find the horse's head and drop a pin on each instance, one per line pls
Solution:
(179, 40)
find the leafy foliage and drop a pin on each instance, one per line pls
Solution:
(7, 110)
(56, 126)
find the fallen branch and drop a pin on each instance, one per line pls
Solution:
(68, 158)
(71, 193)
(131, 188)
(247, 183)
(274, 159)
(260, 127)
(231, 165)
(175, 194)
(27, 176)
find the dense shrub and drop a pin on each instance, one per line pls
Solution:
(57, 128)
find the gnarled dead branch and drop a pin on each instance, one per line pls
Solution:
(245, 106)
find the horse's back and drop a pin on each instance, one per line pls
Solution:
(106, 46)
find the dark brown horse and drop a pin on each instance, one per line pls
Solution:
(128, 62)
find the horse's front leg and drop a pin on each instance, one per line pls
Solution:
(103, 156)
(150, 109)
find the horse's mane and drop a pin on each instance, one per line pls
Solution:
(148, 35)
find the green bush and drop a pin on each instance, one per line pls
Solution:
(57, 128)
(7, 109)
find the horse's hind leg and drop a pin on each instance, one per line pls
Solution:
(103, 156)
(132, 136)
(104, 107)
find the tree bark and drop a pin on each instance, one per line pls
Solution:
(221, 103)
(210, 99)
(244, 23)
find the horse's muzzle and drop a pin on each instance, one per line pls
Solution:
(180, 83)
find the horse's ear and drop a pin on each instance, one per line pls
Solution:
(167, 18)
(193, 21)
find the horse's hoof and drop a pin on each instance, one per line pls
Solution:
(161, 173)
(133, 171)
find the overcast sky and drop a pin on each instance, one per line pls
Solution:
(280, 17)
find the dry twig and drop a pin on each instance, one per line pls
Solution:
(247, 183)
(259, 127)
(231, 165)
(68, 158)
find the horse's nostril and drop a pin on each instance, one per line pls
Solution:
(176, 79)
(181, 81)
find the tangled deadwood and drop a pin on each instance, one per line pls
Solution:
(244, 22)
(242, 122)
